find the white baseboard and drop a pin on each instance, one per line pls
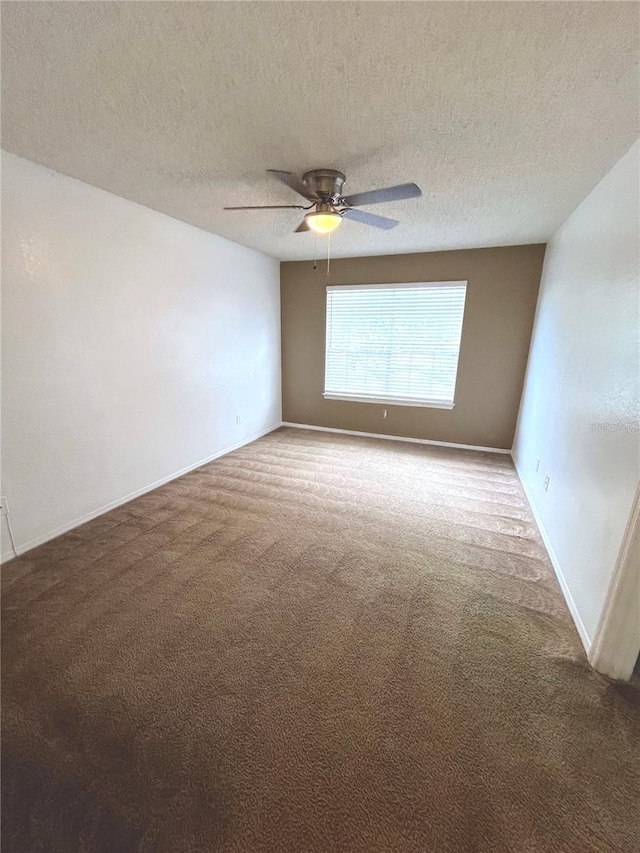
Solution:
(65, 528)
(575, 614)
(396, 438)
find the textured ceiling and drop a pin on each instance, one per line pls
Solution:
(506, 114)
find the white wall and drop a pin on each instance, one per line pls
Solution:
(130, 341)
(581, 401)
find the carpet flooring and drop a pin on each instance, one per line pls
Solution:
(317, 643)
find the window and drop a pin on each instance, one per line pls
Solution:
(394, 343)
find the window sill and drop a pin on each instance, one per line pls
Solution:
(423, 404)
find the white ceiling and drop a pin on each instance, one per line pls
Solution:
(506, 114)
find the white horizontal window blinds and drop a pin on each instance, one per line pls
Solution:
(394, 343)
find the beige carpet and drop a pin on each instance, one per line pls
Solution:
(317, 643)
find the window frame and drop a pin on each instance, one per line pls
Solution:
(394, 401)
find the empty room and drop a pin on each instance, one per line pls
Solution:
(320, 503)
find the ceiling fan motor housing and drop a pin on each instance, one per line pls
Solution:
(326, 184)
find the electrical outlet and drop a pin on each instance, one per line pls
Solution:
(538, 465)
(4, 506)
(385, 413)
(546, 484)
(238, 419)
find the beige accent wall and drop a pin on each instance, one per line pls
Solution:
(501, 301)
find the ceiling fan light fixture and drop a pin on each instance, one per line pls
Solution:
(323, 221)
(323, 188)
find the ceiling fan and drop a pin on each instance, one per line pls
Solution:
(323, 188)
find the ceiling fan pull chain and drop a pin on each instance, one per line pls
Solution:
(315, 252)
(328, 252)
